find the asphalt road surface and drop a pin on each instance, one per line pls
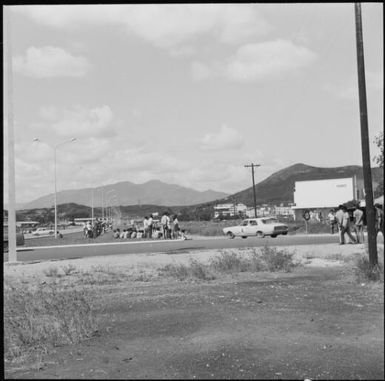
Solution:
(164, 246)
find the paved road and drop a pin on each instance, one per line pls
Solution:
(80, 251)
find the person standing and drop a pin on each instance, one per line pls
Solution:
(165, 222)
(145, 227)
(150, 226)
(339, 218)
(379, 219)
(358, 215)
(332, 221)
(176, 229)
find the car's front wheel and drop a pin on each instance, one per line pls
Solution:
(231, 235)
(260, 235)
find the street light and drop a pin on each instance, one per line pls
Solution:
(54, 150)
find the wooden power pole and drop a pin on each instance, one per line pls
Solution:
(370, 213)
(252, 172)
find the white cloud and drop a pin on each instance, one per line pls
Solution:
(50, 62)
(226, 139)
(165, 25)
(258, 62)
(84, 122)
(267, 59)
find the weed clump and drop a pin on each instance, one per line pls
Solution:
(194, 269)
(364, 271)
(277, 260)
(52, 272)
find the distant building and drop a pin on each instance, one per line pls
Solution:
(229, 210)
(262, 211)
(319, 196)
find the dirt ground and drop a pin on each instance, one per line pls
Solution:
(317, 322)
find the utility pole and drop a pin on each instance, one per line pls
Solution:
(252, 172)
(370, 213)
(12, 255)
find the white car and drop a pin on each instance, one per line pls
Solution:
(259, 227)
(43, 231)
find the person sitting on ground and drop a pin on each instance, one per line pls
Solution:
(125, 235)
(116, 233)
(122, 233)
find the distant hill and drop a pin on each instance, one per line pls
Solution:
(279, 187)
(127, 193)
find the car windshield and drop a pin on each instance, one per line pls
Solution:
(268, 221)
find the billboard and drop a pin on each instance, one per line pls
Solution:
(323, 193)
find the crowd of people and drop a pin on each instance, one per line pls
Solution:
(96, 228)
(354, 222)
(165, 228)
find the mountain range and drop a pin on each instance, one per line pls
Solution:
(277, 188)
(125, 193)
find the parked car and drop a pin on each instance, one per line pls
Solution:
(43, 231)
(259, 227)
(19, 238)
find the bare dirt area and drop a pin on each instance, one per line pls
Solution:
(315, 322)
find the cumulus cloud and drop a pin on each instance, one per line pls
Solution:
(226, 139)
(258, 62)
(50, 62)
(165, 25)
(83, 122)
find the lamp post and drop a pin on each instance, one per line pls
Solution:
(55, 147)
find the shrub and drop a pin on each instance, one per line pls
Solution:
(229, 262)
(52, 272)
(38, 319)
(69, 269)
(364, 271)
(200, 271)
(277, 260)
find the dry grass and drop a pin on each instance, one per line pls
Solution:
(37, 318)
(364, 271)
(233, 261)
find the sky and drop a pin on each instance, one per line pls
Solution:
(187, 94)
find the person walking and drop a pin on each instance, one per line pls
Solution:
(346, 226)
(358, 215)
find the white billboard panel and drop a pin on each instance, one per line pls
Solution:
(323, 193)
